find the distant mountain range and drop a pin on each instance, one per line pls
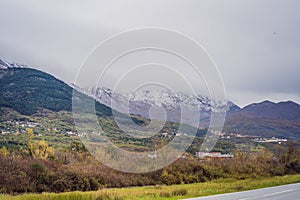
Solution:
(283, 110)
(266, 119)
(27, 90)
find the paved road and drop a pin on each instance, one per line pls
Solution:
(286, 192)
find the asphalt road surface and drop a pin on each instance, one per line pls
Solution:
(285, 192)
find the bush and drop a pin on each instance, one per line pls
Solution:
(179, 192)
(164, 194)
(19, 174)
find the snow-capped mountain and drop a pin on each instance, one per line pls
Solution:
(150, 103)
(27, 90)
(154, 104)
(4, 64)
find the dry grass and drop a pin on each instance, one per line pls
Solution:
(164, 192)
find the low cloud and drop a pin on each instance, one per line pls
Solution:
(255, 44)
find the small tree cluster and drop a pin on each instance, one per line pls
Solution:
(38, 149)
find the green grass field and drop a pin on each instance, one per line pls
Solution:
(164, 192)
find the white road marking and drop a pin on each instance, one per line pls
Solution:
(267, 195)
(258, 194)
(275, 193)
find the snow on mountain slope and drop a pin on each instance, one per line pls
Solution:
(4, 64)
(143, 102)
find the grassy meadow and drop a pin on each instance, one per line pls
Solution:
(164, 192)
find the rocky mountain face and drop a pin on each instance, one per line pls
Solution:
(163, 105)
(5, 64)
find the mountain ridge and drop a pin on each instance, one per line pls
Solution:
(286, 110)
(26, 90)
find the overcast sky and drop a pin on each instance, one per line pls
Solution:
(255, 43)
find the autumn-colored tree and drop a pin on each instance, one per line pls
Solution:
(30, 135)
(38, 149)
(4, 151)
